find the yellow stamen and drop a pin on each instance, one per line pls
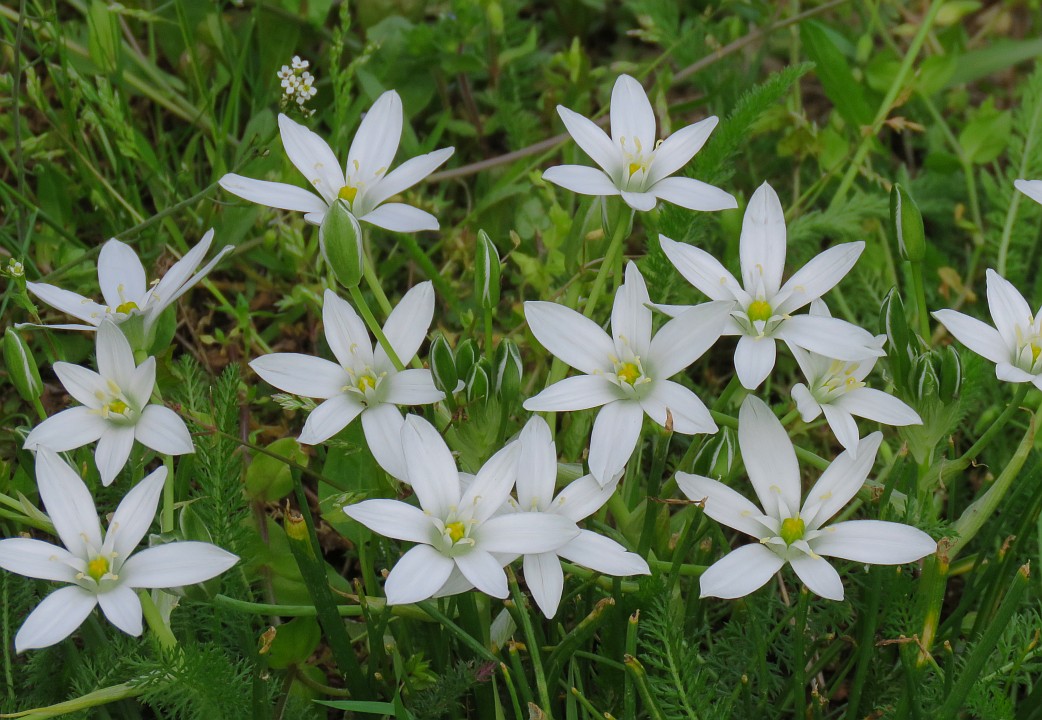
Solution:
(117, 407)
(127, 307)
(347, 193)
(366, 381)
(634, 167)
(759, 310)
(1035, 352)
(792, 530)
(456, 530)
(98, 568)
(629, 373)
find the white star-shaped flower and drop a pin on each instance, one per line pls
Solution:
(633, 164)
(628, 372)
(787, 532)
(763, 306)
(1014, 344)
(100, 568)
(363, 381)
(536, 480)
(456, 529)
(116, 409)
(364, 183)
(124, 288)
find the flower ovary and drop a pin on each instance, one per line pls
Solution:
(759, 310)
(98, 568)
(792, 529)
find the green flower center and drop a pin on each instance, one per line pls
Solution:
(98, 568)
(455, 530)
(127, 307)
(116, 407)
(348, 193)
(366, 381)
(759, 310)
(629, 373)
(792, 529)
(1035, 352)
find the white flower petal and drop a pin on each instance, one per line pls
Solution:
(179, 278)
(1031, 188)
(399, 217)
(830, 337)
(725, 505)
(762, 244)
(68, 503)
(819, 276)
(407, 325)
(686, 337)
(631, 316)
(701, 270)
(576, 340)
(1009, 310)
(122, 608)
(493, 483)
(583, 497)
(430, 467)
(979, 337)
(537, 465)
(692, 194)
(329, 418)
(312, 157)
(142, 383)
(38, 559)
(382, 425)
(406, 175)
(55, 618)
(878, 406)
(805, 402)
(581, 179)
(484, 571)
(176, 564)
(677, 150)
(640, 201)
(525, 532)
(273, 194)
(579, 392)
(769, 458)
(740, 572)
(843, 425)
(689, 414)
(754, 359)
(345, 332)
(417, 576)
(134, 515)
(593, 140)
(819, 577)
(393, 519)
(161, 429)
(840, 482)
(632, 119)
(876, 542)
(68, 302)
(300, 374)
(615, 434)
(603, 555)
(72, 428)
(1009, 373)
(376, 141)
(120, 274)
(410, 387)
(545, 580)
(114, 355)
(113, 451)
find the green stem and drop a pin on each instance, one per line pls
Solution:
(636, 670)
(866, 643)
(799, 654)
(374, 327)
(1011, 214)
(167, 518)
(104, 696)
(619, 234)
(920, 300)
(431, 608)
(489, 350)
(155, 621)
(534, 650)
(421, 258)
(374, 285)
(374, 605)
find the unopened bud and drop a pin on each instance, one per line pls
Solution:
(951, 374)
(443, 366)
(340, 238)
(894, 323)
(478, 383)
(21, 367)
(466, 356)
(906, 223)
(508, 370)
(487, 268)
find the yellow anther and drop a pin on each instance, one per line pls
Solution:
(348, 192)
(629, 373)
(792, 530)
(634, 167)
(456, 530)
(759, 310)
(366, 381)
(98, 568)
(127, 307)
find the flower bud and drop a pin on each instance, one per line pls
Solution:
(894, 323)
(906, 223)
(951, 374)
(508, 370)
(478, 383)
(21, 367)
(443, 366)
(926, 380)
(466, 356)
(340, 238)
(487, 268)
(717, 455)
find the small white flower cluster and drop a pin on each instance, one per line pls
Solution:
(298, 85)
